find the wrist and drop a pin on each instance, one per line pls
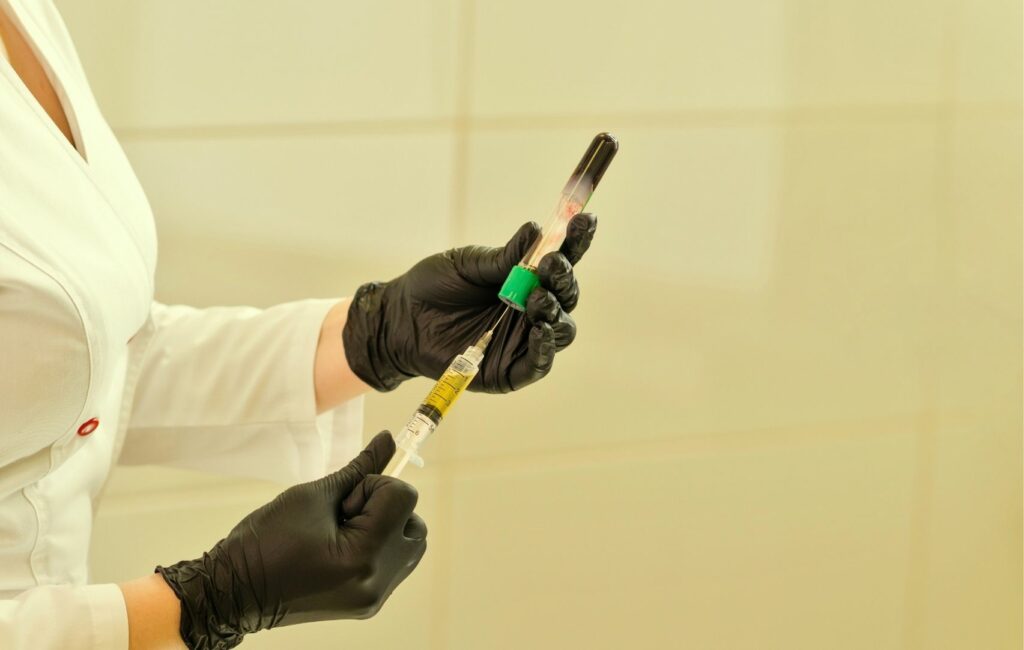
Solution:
(334, 380)
(206, 621)
(368, 348)
(154, 614)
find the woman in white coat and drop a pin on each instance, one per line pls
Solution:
(93, 372)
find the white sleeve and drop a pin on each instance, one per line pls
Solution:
(231, 390)
(59, 617)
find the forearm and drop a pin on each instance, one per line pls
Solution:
(154, 614)
(334, 380)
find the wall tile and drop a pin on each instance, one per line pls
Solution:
(364, 196)
(582, 58)
(186, 63)
(976, 362)
(873, 52)
(985, 199)
(989, 56)
(779, 546)
(660, 56)
(972, 589)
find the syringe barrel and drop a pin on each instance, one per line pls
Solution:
(581, 185)
(455, 379)
(452, 383)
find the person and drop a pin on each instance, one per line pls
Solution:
(95, 372)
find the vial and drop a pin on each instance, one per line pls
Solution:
(523, 278)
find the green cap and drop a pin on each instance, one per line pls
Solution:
(518, 285)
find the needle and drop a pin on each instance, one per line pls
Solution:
(485, 340)
(498, 322)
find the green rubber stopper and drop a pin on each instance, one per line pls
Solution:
(520, 282)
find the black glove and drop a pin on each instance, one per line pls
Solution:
(333, 548)
(417, 323)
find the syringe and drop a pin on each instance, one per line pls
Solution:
(455, 379)
(522, 280)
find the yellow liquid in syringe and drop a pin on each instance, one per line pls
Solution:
(451, 384)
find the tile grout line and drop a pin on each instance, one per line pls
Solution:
(232, 491)
(712, 442)
(923, 476)
(385, 126)
(462, 123)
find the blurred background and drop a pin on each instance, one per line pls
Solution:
(792, 418)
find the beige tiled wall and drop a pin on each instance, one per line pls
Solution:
(792, 418)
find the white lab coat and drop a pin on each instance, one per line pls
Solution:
(92, 371)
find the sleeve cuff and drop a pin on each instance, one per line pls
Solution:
(235, 394)
(336, 434)
(108, 616)
(307, 321)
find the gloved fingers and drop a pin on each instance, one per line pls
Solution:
(556, 275)
(415, 528)
(372, 460)
(419, 548)
(543, 307)
(414, 551)
(380, 505)
(540, 356)
(405, 557)
(578, 236)
(489, 266)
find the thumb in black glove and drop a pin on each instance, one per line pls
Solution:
(331, 549)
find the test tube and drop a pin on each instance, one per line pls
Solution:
(523, 278)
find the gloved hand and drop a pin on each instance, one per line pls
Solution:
(330, 549)
(417, 323)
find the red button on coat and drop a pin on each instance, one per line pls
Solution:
(88, 426)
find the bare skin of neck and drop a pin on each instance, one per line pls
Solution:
(32, 73)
